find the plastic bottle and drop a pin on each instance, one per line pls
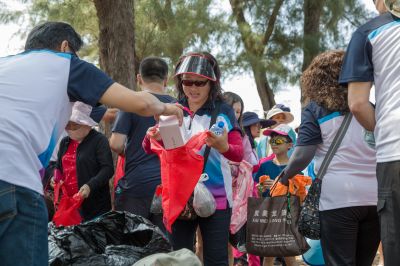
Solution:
(218, 128)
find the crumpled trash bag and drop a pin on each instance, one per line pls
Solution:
(115, 238)
(179, 257)
(238, 239)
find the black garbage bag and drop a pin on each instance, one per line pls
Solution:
(238, 240)
(115, 238)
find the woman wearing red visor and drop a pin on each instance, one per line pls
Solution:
(197, 79)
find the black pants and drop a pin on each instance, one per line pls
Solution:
(215, 234)
(389, 210)
(139, 206)
(350, 236)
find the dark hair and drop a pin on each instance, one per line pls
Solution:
(320, 81)
(251, 138)
(215, 87)
(50, 35)
(231, 98)
(153, 69)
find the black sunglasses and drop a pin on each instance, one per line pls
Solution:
(197, 83)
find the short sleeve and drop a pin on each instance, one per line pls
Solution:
(309, 130)
(357, 63)
(86, 82)
(98, 113)
(123, 123)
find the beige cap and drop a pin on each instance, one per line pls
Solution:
(393, 6)
(276, 110)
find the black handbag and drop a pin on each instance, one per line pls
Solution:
(188, 212)
(309, 223)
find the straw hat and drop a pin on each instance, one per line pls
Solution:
(393, 6)
(281, 109)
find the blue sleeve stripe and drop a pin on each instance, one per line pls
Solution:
(379, 30)
(328, 117)
(65, 55)
(227, 120)
(45, 156)
(60, 54)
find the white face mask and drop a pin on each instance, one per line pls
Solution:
(78, 134)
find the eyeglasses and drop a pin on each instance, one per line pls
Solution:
(197, 83)
(278, 141)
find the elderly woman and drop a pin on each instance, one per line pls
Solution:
(85, 164)
(348, 214)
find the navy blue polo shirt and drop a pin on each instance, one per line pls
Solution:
(142, 171)
(373, 56)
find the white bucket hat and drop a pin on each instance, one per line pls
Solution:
(81, 114)
(393, 6)
(277, 109)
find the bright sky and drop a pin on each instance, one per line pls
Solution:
(242, 85)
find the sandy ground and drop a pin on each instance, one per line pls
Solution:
(376, 261)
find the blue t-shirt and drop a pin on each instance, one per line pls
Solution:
(142, 171)
(268, 168)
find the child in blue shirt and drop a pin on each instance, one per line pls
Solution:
(281, 143)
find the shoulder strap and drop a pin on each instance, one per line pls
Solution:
(212, 122)
(335, 145)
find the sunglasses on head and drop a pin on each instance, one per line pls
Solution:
(197, 83)
(278, 141)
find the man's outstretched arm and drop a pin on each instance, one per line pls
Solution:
(141, 103)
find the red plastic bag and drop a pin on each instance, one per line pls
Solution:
(119, 170)
(67, 211)
(180, 171)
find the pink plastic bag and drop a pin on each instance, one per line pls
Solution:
(242, 189)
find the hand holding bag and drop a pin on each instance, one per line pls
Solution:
(272, 227)
(187, 158)
(67, 211)
(309, 224)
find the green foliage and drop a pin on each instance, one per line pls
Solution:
(169, 28)
(282, 57)
(162, 27)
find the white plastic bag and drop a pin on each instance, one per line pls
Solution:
(203, 201)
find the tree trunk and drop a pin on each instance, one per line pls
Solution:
(264, 90)
(255, 47)
(312, 10)
(117, 42)
(116, 39)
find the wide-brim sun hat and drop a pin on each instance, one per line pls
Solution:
(196, 64)
(251, 118)
(81, 114)
(281, 129)
(393, 6)
(276, 110)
